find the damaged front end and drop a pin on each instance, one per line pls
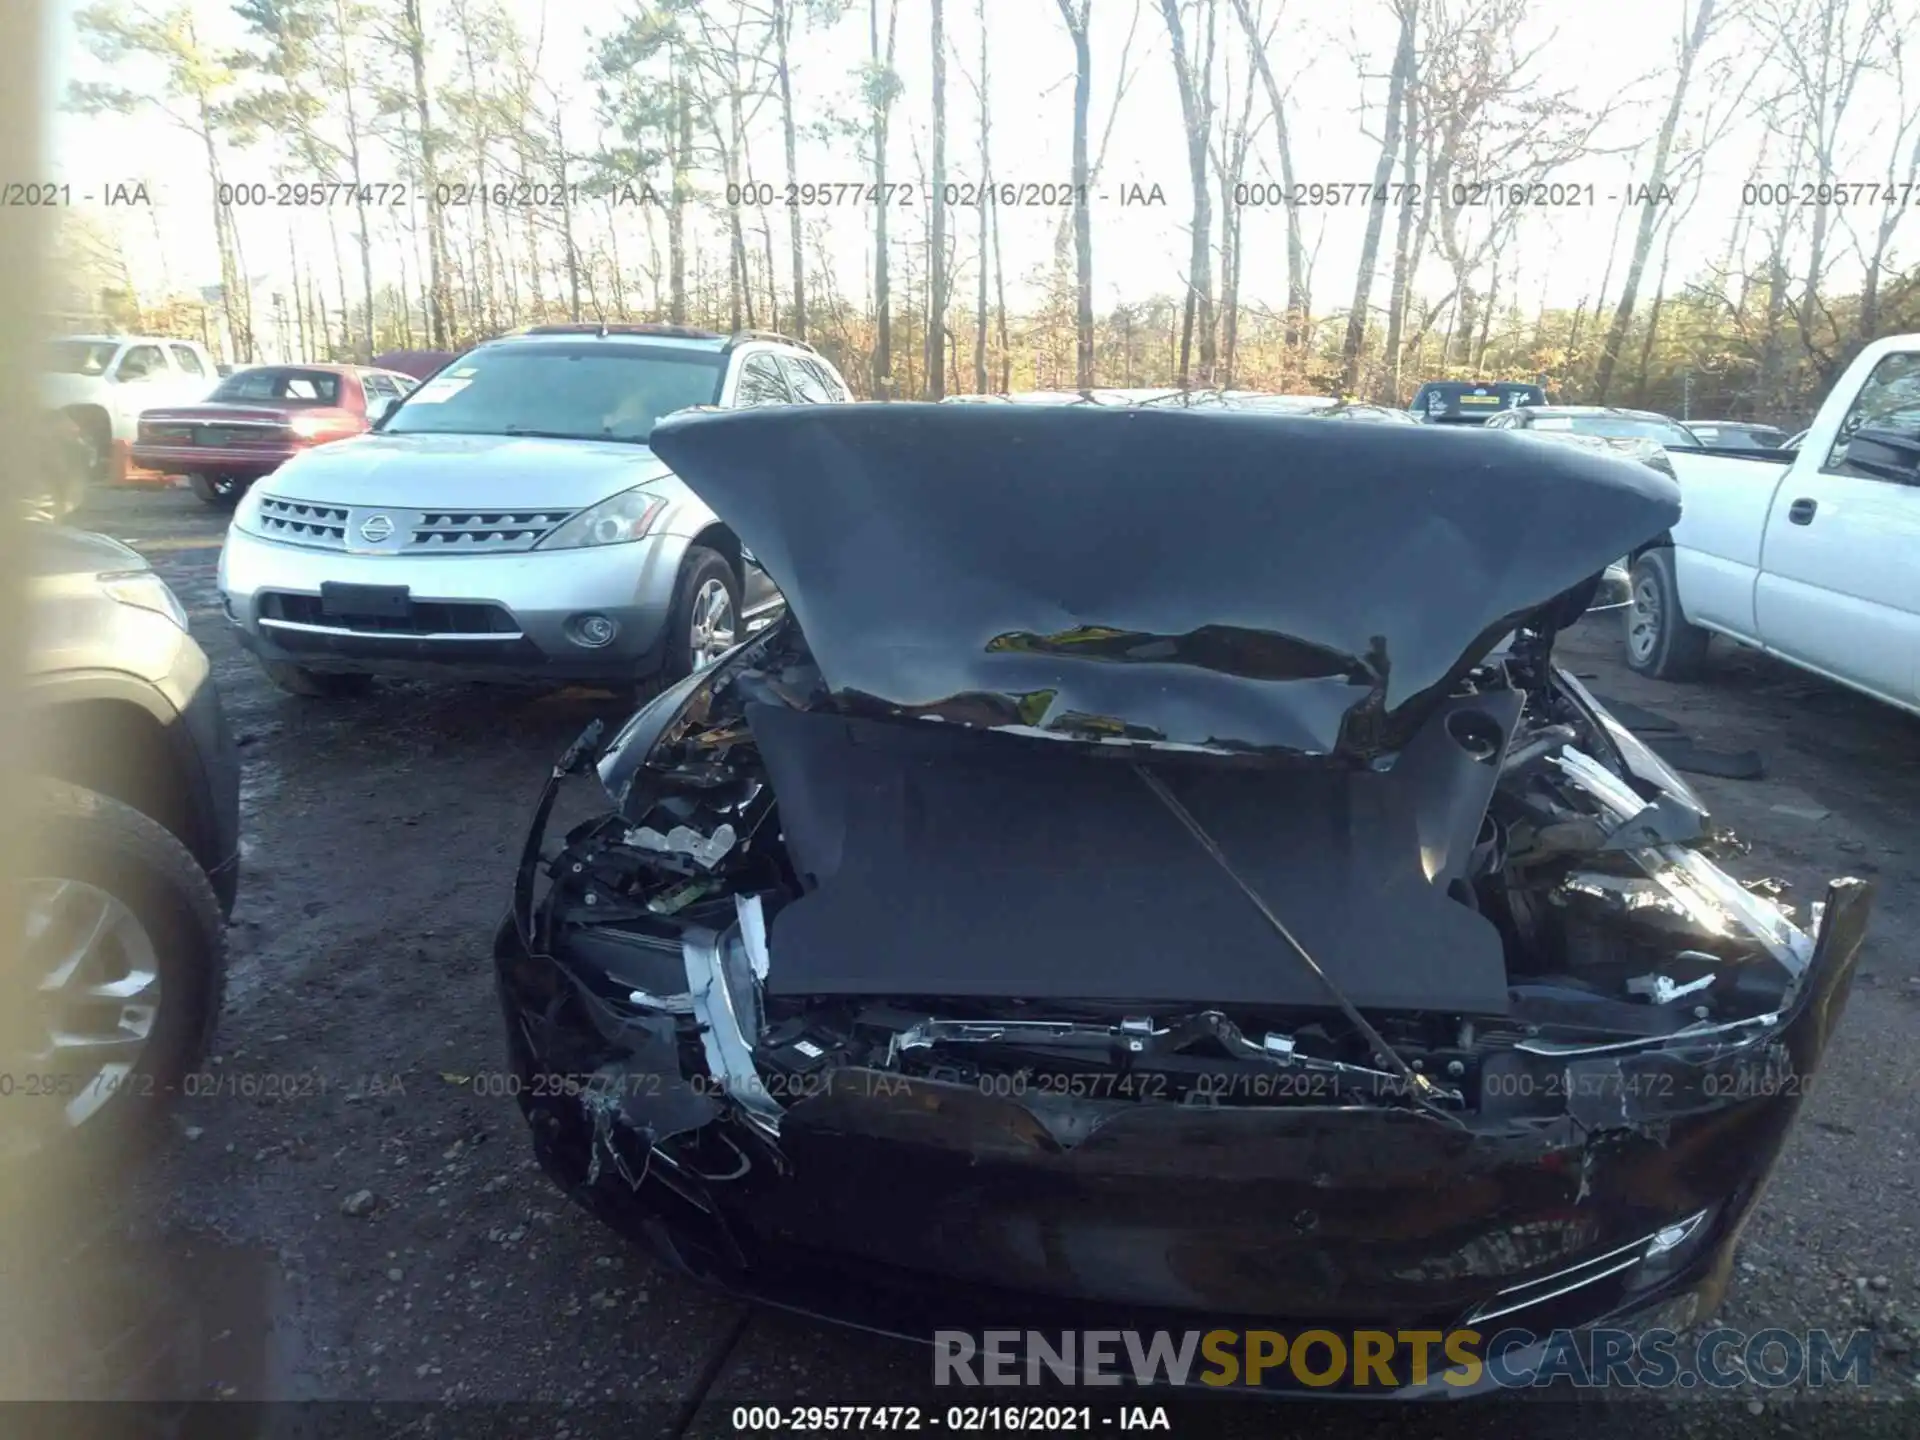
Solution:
(916, 1018)
(1577, 1133)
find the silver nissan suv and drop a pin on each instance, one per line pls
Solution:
(508, 520)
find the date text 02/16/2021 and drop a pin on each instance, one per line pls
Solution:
(959, 1419)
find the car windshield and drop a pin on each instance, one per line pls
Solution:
(80, 357)
(591, 391)
(273, 382)
(1620, 427)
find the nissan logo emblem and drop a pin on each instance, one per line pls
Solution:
(376, 528)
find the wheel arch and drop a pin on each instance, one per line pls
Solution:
(117, 742)
(1662, 541)
(90, 414)
(720, 539)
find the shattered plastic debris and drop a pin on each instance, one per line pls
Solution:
(753, 932)
(1715, 898)
(707, 850)
(603, 1105)
(1664, 991)
(729, 1055)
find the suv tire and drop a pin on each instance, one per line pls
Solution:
(88, 838)
(705, 618)
(1661, 643)
(316, 684)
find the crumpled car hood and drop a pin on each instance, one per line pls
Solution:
(1229, 581)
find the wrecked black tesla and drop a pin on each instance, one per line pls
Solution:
(1155, 867)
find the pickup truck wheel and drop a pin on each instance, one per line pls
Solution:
(127, 956)
(223, 491)
(705, 620)
(1660, 641)
(315, 684)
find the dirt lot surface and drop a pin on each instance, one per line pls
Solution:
(351, 1211)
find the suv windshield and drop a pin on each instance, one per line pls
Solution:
(1620, 427)
(1473, 400)
(80, 357)
(271, 382)
(592, 391)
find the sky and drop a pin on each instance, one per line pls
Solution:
(1331, 58)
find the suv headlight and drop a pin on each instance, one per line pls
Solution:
(144, 590)
(616, 520)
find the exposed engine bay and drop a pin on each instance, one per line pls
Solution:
(1572, 847)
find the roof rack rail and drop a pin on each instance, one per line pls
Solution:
(740, 337)
(622, 327)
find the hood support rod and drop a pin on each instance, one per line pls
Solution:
(1419, 1086)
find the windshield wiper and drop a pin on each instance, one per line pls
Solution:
(518, 432)
(521, 431)
(1420, 1086)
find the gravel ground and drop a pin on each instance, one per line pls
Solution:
(353, 1213)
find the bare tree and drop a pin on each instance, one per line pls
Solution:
(347, 21)
(883, 86)
(981, 92)
(440, 308)
(1260, 47)
(1096, 164)
(731, 61)
(1660, 296)
(989, 232)
(682, 146)
(1903, 170)
(641, 74)
(195, 94)
(1193, 71)
(789, 137)
(569, 244)
(1486, 115)
(1847, 34)
(1230, 161)
(936, 339)
(1399, 78)
(1405, 258)
(1076, 14)
(1654, 200)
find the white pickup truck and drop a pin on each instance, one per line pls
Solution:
(102, 383)
(1812, 555)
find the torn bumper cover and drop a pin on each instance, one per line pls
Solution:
(907, 1203)
(1443, 1018)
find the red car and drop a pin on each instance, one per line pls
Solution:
(259, 417)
